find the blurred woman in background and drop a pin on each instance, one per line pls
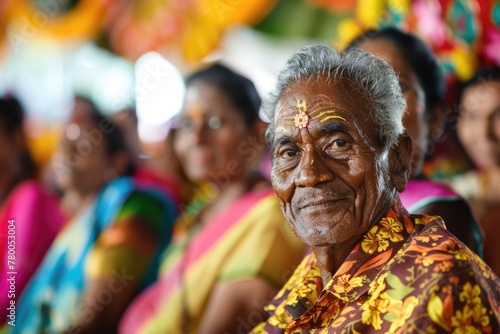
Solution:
(110, 248)
(478, 130)
(160, 168)
(232, 247)
(34, 214)
(423, 87)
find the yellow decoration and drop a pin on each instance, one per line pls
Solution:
(210, 18)
(186, 30)
(199, 38)
(83, 21)
(227, 12)
(370, 12)
(464, 61)
(43, 145)
(400, 6)
(348, 29)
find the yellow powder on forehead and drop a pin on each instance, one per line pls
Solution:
(301, 105)
(307, 110)
(328, 114)
(280, 129)
(278, 112)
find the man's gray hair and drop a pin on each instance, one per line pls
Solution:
(376, 80)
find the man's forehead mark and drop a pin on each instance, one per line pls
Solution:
(326, 114)
(278, 112)
(281, 129)
(301, 119)
(285, 121)
(302, 116)
(329, 114)
(302, 105)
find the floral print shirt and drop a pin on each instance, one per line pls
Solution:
(407, 274)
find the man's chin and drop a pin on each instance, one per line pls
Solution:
(320, 231)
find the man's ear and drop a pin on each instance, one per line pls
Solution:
(400, 161)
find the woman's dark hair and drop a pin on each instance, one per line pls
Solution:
(112, 134)
(240, 90)
(484, 75)
(12, 114)
(11, 121)
(420, 58)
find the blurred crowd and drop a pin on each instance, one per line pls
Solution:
(194, 240)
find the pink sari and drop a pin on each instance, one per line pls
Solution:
(250, 238)
(38, 219)
(421, 193)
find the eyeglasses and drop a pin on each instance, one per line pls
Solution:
(211, 123)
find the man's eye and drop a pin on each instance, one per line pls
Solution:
(286, 154)
(339, 143)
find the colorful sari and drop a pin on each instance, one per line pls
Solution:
(52, 301)
(420, 193)
(37, 222)
(248, 239)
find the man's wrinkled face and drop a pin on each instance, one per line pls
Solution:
(330, 170)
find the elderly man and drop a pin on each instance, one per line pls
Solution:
(340, 157)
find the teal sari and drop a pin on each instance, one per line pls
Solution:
(52, 300)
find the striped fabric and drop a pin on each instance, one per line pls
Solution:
(249, 239)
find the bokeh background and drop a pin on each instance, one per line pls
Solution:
(133, 53)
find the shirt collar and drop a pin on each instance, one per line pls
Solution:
(352, 280)
(373, 251)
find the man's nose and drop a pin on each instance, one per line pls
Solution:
(313, 170)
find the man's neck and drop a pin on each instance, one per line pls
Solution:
(331, 257)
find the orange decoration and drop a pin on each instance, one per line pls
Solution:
(188, 29)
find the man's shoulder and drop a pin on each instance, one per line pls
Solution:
(430, 235)
(427, 225)
(433, 249)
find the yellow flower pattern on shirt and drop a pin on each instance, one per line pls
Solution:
(407, 274)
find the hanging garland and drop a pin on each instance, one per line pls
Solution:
(464, 34)
(55, 19)
(190, 28)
